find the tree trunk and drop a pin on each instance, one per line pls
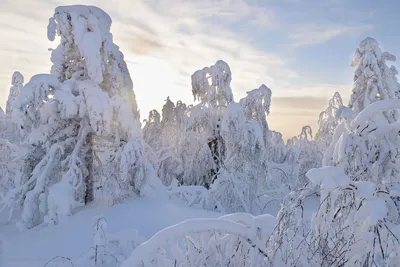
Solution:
(89, 160)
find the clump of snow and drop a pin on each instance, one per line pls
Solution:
(51, 29)
(97, 106)
(364, 117)
(328, 177)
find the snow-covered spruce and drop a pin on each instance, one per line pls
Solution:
(373, 79)
(68, 118)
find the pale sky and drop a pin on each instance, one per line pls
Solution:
(300, 49)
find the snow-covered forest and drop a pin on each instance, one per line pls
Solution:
(74, 139)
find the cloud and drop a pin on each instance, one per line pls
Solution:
(165, 41)
(311, 34)
(181, 35)
(200, 44)
(300, 102)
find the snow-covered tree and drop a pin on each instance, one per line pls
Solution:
(152, 130)
(87, 51)
(163, 136)
(257, 106)
(373, 79)
(80, 123)
(3, 123)
(328, 122)
(277, 148)
(169, 125)
(17, 82)
(8, 128)
(9, 164)
(365, 143)
(211, 86)
(237, 185)
(303, 154)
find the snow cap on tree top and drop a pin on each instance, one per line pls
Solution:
(368, 44)
(86, 27)
(86, 11)
(17, 78)
(212, 84)
(87, 51)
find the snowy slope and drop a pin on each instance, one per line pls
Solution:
(73, 236)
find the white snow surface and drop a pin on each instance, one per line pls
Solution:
(73, 236)
(328, 177)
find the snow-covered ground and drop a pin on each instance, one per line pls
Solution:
(73, 236)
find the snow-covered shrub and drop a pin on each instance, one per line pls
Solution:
(59, 261)
(108, 249)
(357, 223)
(99, 241)
(366, 147)
(287, 245)
(195, 196)
(231, 240)
(121, 244)
(352, 223)
(357, 219)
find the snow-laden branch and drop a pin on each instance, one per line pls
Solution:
(248, 230)
(365, 115)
